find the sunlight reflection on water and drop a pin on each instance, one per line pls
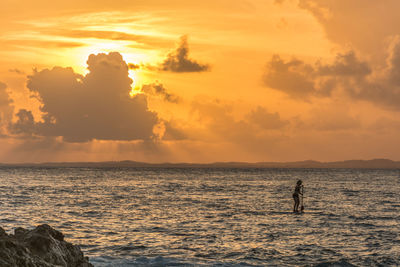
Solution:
(210, 216)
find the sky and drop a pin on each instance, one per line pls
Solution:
(199, 81)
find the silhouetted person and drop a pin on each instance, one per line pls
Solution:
(298, 190)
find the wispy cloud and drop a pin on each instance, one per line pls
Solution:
(18, 71)
(31, 42)
(106, 35)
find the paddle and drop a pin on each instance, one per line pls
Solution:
(302, 200)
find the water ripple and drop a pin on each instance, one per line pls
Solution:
(211, 217)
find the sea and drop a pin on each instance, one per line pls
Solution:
(211, 216)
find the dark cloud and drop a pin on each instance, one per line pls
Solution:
(301, 80)
(384, 88)
(82, 108)
(348, 74)
(293, 77)
(157, 89)
(25, 125)
(345, 65)
(179, 61)
(133, 66)
(5, 100)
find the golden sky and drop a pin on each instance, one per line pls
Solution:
(199, 81)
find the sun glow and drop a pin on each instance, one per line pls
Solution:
(130, 55)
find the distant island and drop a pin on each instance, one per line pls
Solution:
(357, 164)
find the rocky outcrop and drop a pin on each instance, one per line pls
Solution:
(42, 246)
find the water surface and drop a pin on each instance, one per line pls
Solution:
(211, 217)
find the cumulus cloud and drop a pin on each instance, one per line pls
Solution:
(5, 100)
(363, 24)
(6, 108)
(347, 74)
(216, 121)
(157, 89)
(345, 65)
(265, 120)
(371, 31)
(179, 61)
(293, 77)
(25, 124)
(82, 108)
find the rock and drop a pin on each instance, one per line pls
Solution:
(2, 232)
(42, 246)
(341, 263)
(19, 231)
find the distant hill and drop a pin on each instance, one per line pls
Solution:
(359, 164)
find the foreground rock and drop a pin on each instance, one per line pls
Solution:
(42, 246)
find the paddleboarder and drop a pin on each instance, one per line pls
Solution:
(298, 191)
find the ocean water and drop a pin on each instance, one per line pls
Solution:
(211, 217)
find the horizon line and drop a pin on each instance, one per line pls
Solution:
(299, 163)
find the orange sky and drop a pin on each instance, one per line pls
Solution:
(199, 81)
